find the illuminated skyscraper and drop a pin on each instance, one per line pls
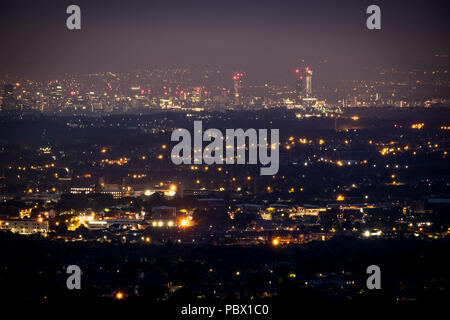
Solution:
(308, 88)
(298, 85)
(303, 82)
(56, 96)
(303, 85)
(237, 79)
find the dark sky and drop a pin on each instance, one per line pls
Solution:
(268, 37)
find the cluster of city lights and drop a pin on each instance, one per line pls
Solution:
(184, 222)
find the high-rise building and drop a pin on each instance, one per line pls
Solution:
(303, 82)
(298, 85)
(237, 83)
(56, 96)
(303, 86)
(308, 87)
(9, 100)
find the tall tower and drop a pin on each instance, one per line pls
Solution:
(298, 85)
(308, 88)
(237, 83)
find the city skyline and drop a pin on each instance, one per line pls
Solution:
(209, 89)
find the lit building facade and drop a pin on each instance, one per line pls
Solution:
(237, 84)
(24, 226)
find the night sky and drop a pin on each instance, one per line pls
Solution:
(266, 37)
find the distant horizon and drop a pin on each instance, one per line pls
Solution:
(252, 76)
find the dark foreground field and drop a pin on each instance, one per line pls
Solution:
(321, 277)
